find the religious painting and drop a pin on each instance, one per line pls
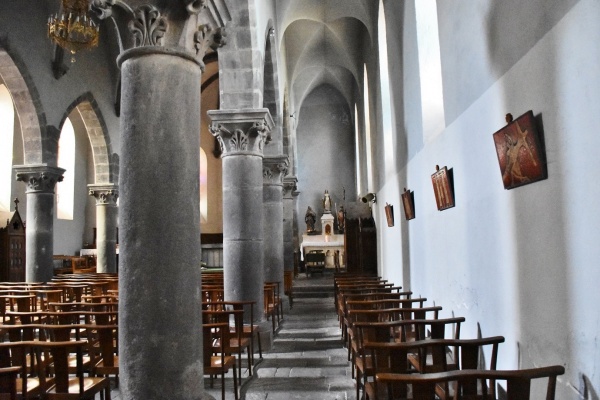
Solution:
(520, 154)
(389, 214)
(408, 201)
(443, 188)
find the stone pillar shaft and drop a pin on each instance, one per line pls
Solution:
(39, 234)
(289, 186)
(241, 134)
(106, 226)
(160, 320)
(274, 169)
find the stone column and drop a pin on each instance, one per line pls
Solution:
(39, 234)
(106, 225)
(289, 186)
(274, 169)
(242, 134)
(160, 323)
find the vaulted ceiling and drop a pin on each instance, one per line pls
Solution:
(325, 42)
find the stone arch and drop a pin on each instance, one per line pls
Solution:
(106, 164)
(271, 98)
(36, 138)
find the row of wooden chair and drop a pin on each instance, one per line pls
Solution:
(54, 333)
(401, 349)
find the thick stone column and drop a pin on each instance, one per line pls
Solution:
(159, 221)
(274, 169)
(39, 234)
(289, 186)
(106, 225)
(241, 134)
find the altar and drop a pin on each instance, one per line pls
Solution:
(318, 243)
(327, 242)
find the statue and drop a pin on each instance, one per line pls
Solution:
(327, 203)
(310, 218)
(340, 219)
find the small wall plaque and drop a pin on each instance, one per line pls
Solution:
(408, 201)
(443, 188)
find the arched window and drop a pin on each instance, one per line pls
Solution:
(357, 152)
(386, 95)
(65, 190)
(203, 186)
(7, 127)
(430, 69)
(367, 110)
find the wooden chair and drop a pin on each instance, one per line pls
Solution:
(8, 381)
(234, 340)
(62, 385)
(433, 355)
(277, 299)
(17, 377)
(288, 286)
(518, 382)
(270, 305)
(250, 331)
(220, 363)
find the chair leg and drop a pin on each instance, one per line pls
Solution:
(235, 385)
(259, 345)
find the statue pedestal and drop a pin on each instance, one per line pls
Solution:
(327, 226)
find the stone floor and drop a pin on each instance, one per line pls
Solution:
(307, 361)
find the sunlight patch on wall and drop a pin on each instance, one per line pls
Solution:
(386, 95)
(7, 126)
(367, 110)
(65, 190)
(203, 187)
(430, 69)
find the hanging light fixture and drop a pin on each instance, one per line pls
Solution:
(72, 28)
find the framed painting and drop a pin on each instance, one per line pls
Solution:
(389, 214)
(443, 188)
(520, 153)
(408, 201)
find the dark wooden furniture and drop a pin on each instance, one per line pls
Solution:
(360, 240)
(518, 382)
(12, 248)
(314, 262)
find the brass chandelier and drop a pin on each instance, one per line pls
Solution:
(72, 28)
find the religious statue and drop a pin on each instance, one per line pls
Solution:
(340, 219)
(310, 218)
(327, 203)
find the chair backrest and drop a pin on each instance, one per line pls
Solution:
(518, 382)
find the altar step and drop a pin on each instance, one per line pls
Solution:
(316, 286)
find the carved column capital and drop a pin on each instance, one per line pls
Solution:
(241, 131)
(274, 169)
(105, 193)
(188, 26)
(290, 184)
(39, 178)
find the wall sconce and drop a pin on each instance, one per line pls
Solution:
(369, 197)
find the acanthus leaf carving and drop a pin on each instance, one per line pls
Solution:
(207, 37)
(148, 26)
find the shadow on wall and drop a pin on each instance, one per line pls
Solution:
(587, 389)
(542, 303)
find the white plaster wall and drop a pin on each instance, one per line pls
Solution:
(521, 263)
